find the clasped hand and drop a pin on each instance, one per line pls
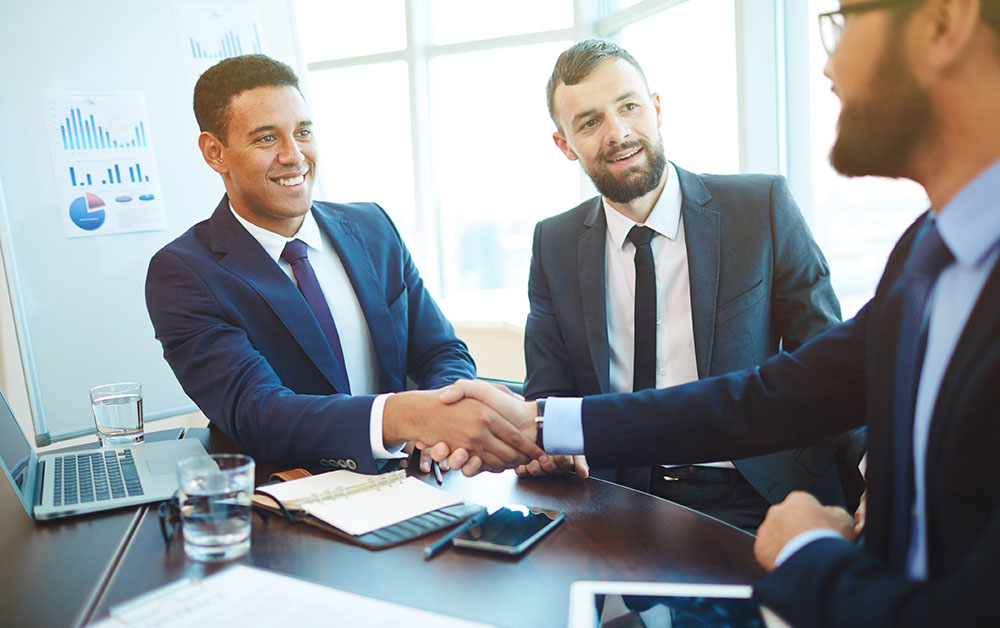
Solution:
(520, 453)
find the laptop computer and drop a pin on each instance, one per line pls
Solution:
(66, 483)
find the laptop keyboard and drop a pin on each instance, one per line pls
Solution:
(97, 476)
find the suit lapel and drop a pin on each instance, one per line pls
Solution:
(702, 233)
(982, 326)
(243, 256)
(370, 290)
(590, 262)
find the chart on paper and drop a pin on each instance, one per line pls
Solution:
(208, 35)
(104, 163)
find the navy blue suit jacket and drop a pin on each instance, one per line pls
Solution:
(758, 282)
(247, 349)
(828, 385)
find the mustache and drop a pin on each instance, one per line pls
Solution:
(626, 146)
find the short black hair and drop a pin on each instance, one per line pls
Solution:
(578, 62)
(230, 77)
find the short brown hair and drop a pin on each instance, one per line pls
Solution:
(579, 61)
(230, 77)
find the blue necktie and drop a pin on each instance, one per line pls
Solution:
(644, 358)
(927, 259)
(295, 254)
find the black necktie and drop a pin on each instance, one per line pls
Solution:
(295, 254)
(927, 259)
(644, 361)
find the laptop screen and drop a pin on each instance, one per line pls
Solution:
(16, 455)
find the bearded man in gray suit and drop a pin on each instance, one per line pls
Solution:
(668, 277)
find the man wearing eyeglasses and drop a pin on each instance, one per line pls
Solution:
(919, 82)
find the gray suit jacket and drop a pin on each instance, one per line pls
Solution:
(759, 283)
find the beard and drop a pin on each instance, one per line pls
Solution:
(879, 137)
(634, 182)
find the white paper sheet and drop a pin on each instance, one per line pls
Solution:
(245, 597)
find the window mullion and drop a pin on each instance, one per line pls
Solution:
(427, 209)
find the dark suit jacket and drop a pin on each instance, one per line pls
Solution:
(758, 282)
(247, 349)
(830, 384)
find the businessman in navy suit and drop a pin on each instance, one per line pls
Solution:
(737, 275)
(291, 322)
(919, 84)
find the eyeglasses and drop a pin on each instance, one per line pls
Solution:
(831, 23)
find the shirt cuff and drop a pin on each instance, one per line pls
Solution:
(379, 452)
(803, 539)
(563, 430)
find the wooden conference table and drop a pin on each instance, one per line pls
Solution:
(610, 533)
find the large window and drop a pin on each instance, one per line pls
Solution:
(855, 221)
(688, 54)
(436, 110)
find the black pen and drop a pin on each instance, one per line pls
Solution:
(445, 540)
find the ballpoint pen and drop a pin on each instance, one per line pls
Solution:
(435, 469)
(431, 550)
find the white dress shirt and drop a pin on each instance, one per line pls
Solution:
(676, 362)
(360, 358)
(675, 357)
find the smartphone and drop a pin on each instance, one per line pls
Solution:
(510, 530)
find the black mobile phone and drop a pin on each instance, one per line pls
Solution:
(510, 530)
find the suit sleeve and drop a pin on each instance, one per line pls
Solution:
(790, 401)
(805, 305)
(803, 301)
(832, 583)
(435, 356)
(548, 372)
(236, 387)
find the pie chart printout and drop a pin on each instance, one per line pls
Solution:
(87, 211)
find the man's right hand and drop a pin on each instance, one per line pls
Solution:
(464, 424)
(503, 401)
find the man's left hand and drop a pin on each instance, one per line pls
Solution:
(798, 513)
(556, 465)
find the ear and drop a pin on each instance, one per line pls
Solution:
(213, 151)
(947, 31)
(563, 145)
(655, 97)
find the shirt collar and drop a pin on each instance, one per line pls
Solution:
(970, 223)
(274, 243)
(664, 219)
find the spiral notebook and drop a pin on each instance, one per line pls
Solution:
(372, 510)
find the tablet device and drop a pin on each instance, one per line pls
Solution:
(510, 530)
(596, 604)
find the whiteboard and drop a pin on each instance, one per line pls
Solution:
(79, 304)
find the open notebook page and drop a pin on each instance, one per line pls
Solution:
(365, 511)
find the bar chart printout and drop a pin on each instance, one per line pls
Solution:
(208, 35)
(104, 164)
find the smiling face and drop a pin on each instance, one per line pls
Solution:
(268, 162)
(611, 123)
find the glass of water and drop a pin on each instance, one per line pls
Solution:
(118, 413)
(214, 499)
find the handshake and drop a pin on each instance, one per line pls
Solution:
(472, 426)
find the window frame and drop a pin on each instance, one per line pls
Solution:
(761, 95)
